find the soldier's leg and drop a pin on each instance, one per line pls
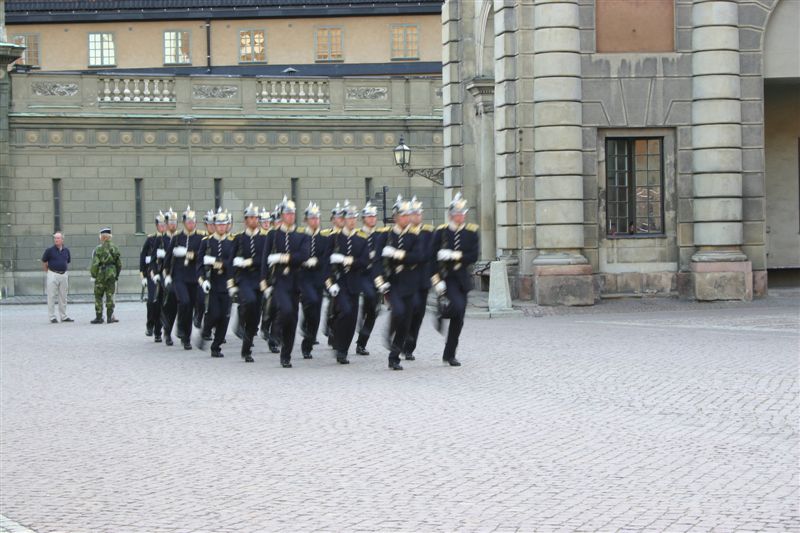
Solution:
(458, 307)
(273, 328)
(402, 306)
(157, 325)
(369, 314)
(249, 317)
(99, 290)
(111, 287)
(347, 327)
(420, 304)
(312, 307)
(150, 324)
(287, 303)
(199, 306)
(223, 305)
(168, 313)
(344, 308)
(184, 311)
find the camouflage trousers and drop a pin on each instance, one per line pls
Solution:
(102, 288)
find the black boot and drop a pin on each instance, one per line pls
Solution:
(111, 318)
(410, 357)
(186, 344)
(453, 362)
(361, 350)
(148, 332)
(168, 340)
(286, 363)
(97, 320)
(158, 337)
(215, 352)
(341, 358)
(395, 366)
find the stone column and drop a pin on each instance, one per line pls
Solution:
(482, 91)
(562, 274)
(720, 269)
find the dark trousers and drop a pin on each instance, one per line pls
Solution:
(269, 326)
(311, 299)
(400, 322)
(217, 317)
(369, 313)
(153, 307)
(420, 305)
(199, 304)
(344, 325)
(455, 312)
(287, 302)
(186, 294)
(169, 309)
(249, 312)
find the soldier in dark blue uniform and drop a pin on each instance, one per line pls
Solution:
(269, 311)
(147, 263)
(372, 295)
(456, 246)
(349, 261)
(423, 278)
(312, 279)
(169, 306)
(213, 274)
(285, 251)
(199, 308)
(402, 255)
(181, 271)
(249, 252)
(337, 223)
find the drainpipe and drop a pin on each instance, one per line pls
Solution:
(208, 46)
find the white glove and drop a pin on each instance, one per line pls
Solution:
(383, 289)
(168, 280)
(348, 260)
(147, 260)
(233, 290)
(179, 251)
(161, 253)
(333, 290)
(273, 258)
(206, 286)
(337, 259)
(267, 292)
(372, 254)
(444, 254)
(241, 262)
(155, 278)
(144, 282)
(388, 251)
(311, 262)
(209, 259)
(440, 288)
(247, 262)
(456, 255)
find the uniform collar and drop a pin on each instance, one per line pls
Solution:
(252, 232)
(189, 234)
(400, 231)
(455, 228)
(219, 237)
(349, 233)
(287, 229)
(368, 230)
(311, 232)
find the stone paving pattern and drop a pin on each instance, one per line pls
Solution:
(675, 419)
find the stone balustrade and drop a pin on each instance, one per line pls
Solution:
(293, 91)
(139, 89)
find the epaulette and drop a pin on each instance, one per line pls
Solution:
(151, 235)
(300, 229)
(263, 231)
(427, 227)
(415, 230)
(383, 229)
(206, 237)
(231, 236)
(361, 234)
(472, 227)
(202, 233)
(328, 232)
(441, 226)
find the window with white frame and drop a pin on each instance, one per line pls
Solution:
(252, 48)
(329, 44)
(30, 57)
(405, 41)
(102, 52)
(176, 48)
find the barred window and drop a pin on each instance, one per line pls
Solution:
(176, 48)
(405, 41)
(635, 184)
(138, 198)
(57, 204)
(329, 44)
(101, 50)
(251, 46)
(30, 57)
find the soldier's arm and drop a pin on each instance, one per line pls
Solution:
(301, 255)
(265, 267)
(143, 256)
(94, 264)
(361, 259)
(117, 262)
(471, 252)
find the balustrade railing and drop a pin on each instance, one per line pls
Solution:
(293, 91)
(150, 89)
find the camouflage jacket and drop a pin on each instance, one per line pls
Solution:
(106, 262)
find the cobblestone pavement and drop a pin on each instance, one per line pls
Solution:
(671, 420)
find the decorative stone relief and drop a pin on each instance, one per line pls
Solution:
(204, 92)
(388, 139)
(79, 137)
(196, 138)
(239, 138)
(283, 138)
(348, 138)
(102, 137)
(216, 138)
(172, 138)
(305, 138)
(149, 138)
(261, 138)
(32, 137)
(56, 137)
(367, 93)
(126, 137)
(52, 88)
(369, 138)
(327, 138)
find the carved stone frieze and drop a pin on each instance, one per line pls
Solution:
(52, 88)
(204, 92)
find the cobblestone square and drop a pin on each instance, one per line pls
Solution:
(619, 419)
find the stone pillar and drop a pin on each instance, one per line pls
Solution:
(452, 97)
(720, 270)
(562, 274)
(482, 91)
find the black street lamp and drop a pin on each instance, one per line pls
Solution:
(402, 158)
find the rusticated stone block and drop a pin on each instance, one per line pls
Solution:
(722, 280)
(759, 283)
(564, 285)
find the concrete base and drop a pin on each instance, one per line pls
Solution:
(723, 280)
(564, 285)
(32, 283)
(499, 291)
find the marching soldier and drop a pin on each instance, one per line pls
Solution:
(249, 251)
(455, 246)
(169, 302)
(147, 261)
(213, 274)
(199, 308)
(312, 279)
(402, 253)
(337, 223)
(376, 237)
(423, 277)
(285, 252)
(349, 260)
(265, 219)
(269, 332)
(105, 269)
(180, 272)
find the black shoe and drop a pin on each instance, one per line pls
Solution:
(168, 341)
(274, 347)
(307, 355)
(198, 321)
(361, 350)
(248, 358)
(208, 338)
(148, 332)
(158, 338)
(341, 358)
(97, 320)
(285, 363)
(410, 357)
(53, 321)
(187, 345)
(68, 319)
(395, 366)
(217, 354)
(111, 319)
(453, 362)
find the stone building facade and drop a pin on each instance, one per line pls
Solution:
(627, 148)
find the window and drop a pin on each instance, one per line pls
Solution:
(635, 184)
(295, 192)
(405, 41)
(137, 194)
(251, 46)
(101, 50)
(329, 44)
(176, 48)
(217, 192)
(30, 57)
(642, 26)
(57, 205)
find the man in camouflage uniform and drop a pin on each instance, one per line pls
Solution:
(105, 269)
